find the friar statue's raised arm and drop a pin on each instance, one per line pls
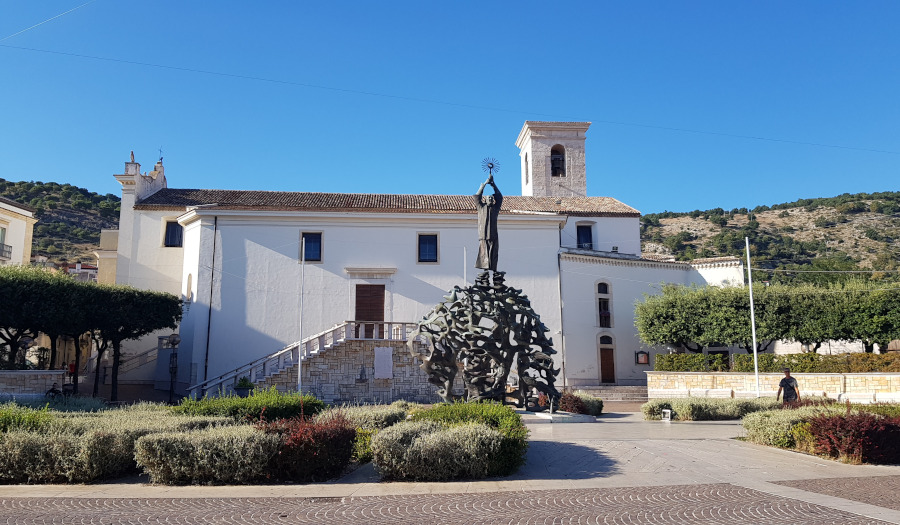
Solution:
(488, 240)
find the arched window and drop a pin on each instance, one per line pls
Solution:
(604, 305)
(527, 171)
(605, 340)
(558, 161)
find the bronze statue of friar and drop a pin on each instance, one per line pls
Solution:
(488, 211)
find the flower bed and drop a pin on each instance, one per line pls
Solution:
(848, 433)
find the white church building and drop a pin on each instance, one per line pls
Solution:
(374, 264)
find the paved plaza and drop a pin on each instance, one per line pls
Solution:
(618, 470)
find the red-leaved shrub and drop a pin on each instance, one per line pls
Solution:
(860, 437)
(311, 451)
(569, 402)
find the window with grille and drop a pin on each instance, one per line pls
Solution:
(604, 309)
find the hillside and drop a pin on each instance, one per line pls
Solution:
(843, 233)
(69, 218)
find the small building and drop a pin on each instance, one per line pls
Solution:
(16, 232)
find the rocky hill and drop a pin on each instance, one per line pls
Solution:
(843, 233)
(69, 218)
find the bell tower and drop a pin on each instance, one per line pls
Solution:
(552, 156)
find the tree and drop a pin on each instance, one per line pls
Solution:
(129, 313)
(671, 318)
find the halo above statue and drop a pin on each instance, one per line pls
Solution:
(490, 165)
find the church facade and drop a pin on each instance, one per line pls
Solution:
(258, 270)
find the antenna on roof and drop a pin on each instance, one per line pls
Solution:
(160, 153)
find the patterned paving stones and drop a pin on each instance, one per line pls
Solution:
(697, 504)
(881, 491)
(620, 470)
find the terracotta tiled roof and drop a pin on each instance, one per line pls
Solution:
(171, 198)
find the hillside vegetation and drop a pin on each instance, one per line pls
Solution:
(844, 233)
(69, 218)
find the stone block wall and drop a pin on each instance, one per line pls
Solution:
(334, 375)
(29, 381)
(838, 386)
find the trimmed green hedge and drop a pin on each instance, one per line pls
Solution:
(502, 418)
(14, 417)
(854, 363)
(593, 404)
(85, 447)
(235, 455)
(690, 363)
(816, 363)
(259, 405)
(706, 409)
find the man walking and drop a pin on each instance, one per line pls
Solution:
(790, 387)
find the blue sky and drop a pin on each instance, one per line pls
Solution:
(408, 97)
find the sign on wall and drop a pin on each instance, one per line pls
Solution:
(384, 362)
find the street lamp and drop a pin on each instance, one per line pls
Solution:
(173, 341)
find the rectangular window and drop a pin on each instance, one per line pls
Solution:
(605, 314)
(312, 243)
(428, 247)
(584, 237)
(2, 235)
(174, 234)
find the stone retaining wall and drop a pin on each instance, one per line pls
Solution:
(334, 375)
(30, 381)
(863, 388)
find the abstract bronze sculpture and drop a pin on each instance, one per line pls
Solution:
(489, 330)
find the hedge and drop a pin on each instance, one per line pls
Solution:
(514, 445)
(855, 363)
(234, 455)
(311, 450)
(690, 363)
(369, 417)
(85, 447)
(14, 417)
(593, 404)
(798, 363)
(706, 409)
(391, 445)
(267, 405)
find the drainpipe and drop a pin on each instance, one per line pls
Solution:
(212, 276)
(562, 330)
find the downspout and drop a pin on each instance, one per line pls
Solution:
(212, 275)
(562, 329)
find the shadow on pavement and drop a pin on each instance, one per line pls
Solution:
(556, 460)
(613, 415)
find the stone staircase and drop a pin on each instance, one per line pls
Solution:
(616, 392)
(284, 361)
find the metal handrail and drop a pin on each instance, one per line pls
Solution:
(5, 251)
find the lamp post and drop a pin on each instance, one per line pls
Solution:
(173, 341)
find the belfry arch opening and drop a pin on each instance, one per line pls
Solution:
(558, 161)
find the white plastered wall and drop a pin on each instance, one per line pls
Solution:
(256, 285)
(628, 281)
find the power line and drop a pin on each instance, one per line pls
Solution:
(47, 20)
(446, 103)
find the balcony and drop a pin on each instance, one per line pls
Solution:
(5, 251)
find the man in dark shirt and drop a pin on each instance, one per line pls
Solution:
(790, 387)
